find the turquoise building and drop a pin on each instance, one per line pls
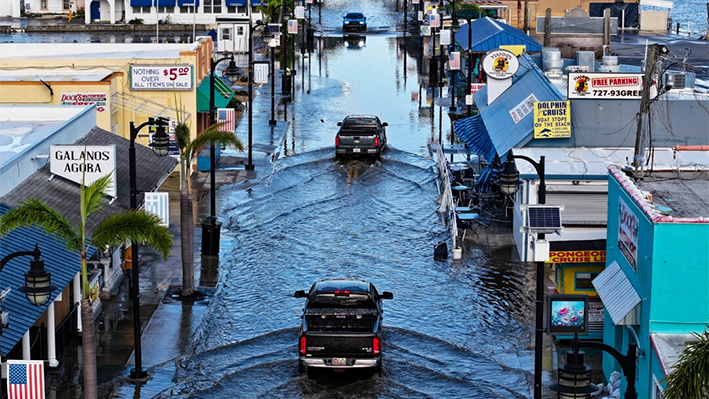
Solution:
(655, 287)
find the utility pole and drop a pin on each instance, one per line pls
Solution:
(644, 103)
(526, 16)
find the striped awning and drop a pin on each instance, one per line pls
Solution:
(222, 94)
(617, 293)
(473, 132)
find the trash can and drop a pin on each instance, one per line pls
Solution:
(211, 231)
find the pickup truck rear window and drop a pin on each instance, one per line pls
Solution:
(332, 301)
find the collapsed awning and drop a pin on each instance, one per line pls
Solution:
(473, 132)
(222, 94)
(668, 348)
(618, 295)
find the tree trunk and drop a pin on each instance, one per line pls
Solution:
(88, 341)
(187, 242)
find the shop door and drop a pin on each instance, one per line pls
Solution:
(96, 11)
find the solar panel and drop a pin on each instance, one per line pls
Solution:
(544, 217)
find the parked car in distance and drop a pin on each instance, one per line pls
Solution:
(361, 135)
(354, 21)
(342, 326)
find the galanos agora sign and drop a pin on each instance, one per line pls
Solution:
(90, 163)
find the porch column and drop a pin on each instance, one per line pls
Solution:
(51, 337)
(26, 346)
(112, 10)
(77, 299)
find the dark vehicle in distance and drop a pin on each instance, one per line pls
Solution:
(354, 21)
(361, 135)
(342, 326)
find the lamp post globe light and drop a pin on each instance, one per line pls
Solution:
(37, 289)
(160, 144)
(509, 182)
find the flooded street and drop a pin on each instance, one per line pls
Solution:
(454, 329)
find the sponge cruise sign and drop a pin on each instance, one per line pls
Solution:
(74, 162)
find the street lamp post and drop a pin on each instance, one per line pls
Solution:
(470, 61)
(38, 286)
(570, 385)
(266, 37)
(160, 146)
(210, 242)
(509, 182)
(455, 27)
(272, 121)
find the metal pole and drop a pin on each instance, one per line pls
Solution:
(539, 330)
(470, 63)
(138, 371)
(249, 162)
(273, 91)
(212, 151)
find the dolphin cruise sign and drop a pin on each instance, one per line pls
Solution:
(89, 163)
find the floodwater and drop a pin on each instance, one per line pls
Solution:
(455, 329)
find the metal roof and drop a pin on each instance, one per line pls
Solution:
(63, 266)
(129, 51)
(669, 347)
(616, 291)
(55, 75)
(63, 195)
(489, 34)
(504, 132)
(472, 131)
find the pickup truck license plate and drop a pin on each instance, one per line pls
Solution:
(339, 361)
(355, 150)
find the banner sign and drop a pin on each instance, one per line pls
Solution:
(523, 109)
(628, 233)
(72, 162)
(474, 87)
(25, 379)
(552, 119)
(500, 64)
(161, 77)
(624, 86)
(292, 26)
(85, 99)
(584, 256)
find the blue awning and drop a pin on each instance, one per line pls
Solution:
(473, 132)
(236, 3)
(488, 176)
(166, 3)
(141, 3)
(187, 3)
(256, 3)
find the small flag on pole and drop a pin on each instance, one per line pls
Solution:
(293, 26)
(25, 379)
(434, 20)
(227, 116)
(454, 62)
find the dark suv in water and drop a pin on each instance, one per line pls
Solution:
(354, 21)
(361, 135)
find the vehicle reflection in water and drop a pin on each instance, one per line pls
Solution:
(354, 42)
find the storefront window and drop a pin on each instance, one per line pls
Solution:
(583, 280)
(226, 34)
(43, 4)
(66, 4)
(213, 6)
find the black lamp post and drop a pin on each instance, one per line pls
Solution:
(266, 37)
(509, 182)
(38, 285)
(160, 146)
(470, 60)
(575, 377)
(272, 121)
(455, 28)
(210, 242)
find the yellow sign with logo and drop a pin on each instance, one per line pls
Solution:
(585, 256)
(552, 119)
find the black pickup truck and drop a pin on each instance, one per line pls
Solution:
(341, 329)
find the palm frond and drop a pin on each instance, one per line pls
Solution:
(134, 226)
(227, 139)
(690, 378)
(182, 136)
(34, 212)
(93, 194)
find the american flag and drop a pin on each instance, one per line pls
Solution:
(293, 26)
(227, 116)
(454, 61)
(25, 379)
(434, 20)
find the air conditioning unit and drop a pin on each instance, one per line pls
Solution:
(676, 80)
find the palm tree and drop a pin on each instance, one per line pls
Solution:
(188, 150)
(134, 226)
(690, 378)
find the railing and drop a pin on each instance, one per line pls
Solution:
(446, 201)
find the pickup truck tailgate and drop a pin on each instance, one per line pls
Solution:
(321, 344)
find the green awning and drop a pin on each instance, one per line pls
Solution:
(222, 94)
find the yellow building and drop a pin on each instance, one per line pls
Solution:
(559, 8)
(126, 81)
